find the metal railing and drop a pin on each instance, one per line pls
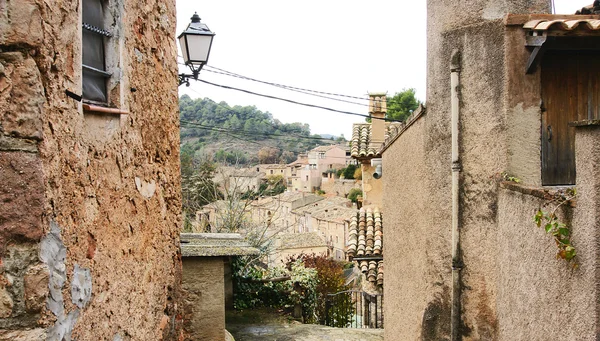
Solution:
(354, 309)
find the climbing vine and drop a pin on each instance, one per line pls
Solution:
(560, 231)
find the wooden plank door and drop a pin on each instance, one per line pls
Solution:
(570, 92)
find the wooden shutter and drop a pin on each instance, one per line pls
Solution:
(570, 92)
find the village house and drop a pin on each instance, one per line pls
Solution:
(331, 219)
(272, 169)
(90, 193)
(315, 168)
(289, 245)
(511, 127)
(244, 180)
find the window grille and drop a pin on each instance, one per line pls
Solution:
(94, 60)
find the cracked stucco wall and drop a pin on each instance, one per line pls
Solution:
(90, 203)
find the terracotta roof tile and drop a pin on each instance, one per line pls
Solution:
(562, 24)
(361, 145)
(365, 239)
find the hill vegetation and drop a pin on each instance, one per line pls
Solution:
(241, 135)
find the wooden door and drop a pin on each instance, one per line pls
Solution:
(570, 92)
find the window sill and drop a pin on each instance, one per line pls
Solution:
(103, 110)
(585, 123)
(546, 193)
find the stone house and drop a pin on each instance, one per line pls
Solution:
(244, 180)
(294, 244)
(272, 169)
(207, 283)
(330, 218)
(89, 169)
(511, 126)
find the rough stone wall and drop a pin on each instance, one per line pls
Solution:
(90, 212)
(339, 187)
(203, 284)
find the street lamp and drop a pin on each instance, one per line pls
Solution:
(195, 43)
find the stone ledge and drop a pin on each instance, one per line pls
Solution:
(584, 123)
(546, 193)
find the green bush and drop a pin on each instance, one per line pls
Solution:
(354, 193)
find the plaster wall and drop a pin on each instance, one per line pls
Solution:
(539, 296)
(523, 113)
(416, 288)
(372, 188)
(476, 29)
(204, 288)
(89, 240)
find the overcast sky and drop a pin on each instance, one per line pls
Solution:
(346, 47)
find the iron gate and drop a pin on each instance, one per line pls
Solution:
(354, 309)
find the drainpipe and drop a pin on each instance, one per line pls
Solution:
(456, 167)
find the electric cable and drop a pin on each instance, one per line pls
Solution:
(295, 102)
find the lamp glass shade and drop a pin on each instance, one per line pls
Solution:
(195, 47)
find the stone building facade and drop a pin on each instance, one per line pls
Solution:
(505, 281)
(89, 190)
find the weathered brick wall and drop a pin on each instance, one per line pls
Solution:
(89, 202)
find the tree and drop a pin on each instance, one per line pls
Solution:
(349, 171)
(287, 157)
(268, 155)
(402, 104)
(354, 193)
(197, 186)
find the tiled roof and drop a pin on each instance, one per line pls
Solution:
(247, 173)
(215, 245)
(562, 24)
(324, 148)
(361, 145)
(299, 240)
(328, 211)
(365, 240)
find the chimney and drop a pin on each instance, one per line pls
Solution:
(377, 109)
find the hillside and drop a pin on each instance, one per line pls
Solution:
(237, 134)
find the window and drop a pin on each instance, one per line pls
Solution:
(271, 171)
(570, 92)
(94, 74)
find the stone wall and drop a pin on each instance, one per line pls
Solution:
(91, 204)
(204, 286)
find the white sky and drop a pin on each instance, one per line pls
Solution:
(347, 47)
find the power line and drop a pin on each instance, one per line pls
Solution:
(250, 133)
(243, 130)
(287, 88)
(295, 102)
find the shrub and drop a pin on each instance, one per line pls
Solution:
(330, 280)
(354, 193)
